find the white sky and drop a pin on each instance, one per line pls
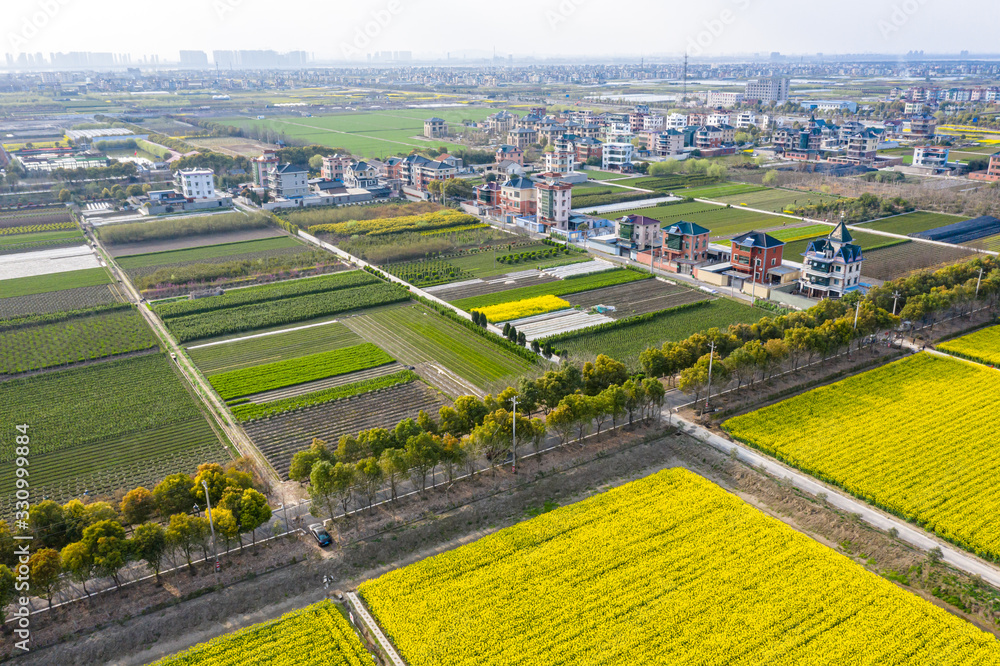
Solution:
(334, 29)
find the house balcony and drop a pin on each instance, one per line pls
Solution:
(818, 268)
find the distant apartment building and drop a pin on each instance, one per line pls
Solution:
(522, 137)
(923, 126)
(718, 119)
(616, 156)
(435, 128)
(724, 99)
(914, 108)
(676, 121)
(636, 233)
(586, 147)
(562, 157)
(707, 137)
(501, 122)
(992, 173)
(831, 266)
(667, 143)
(262, 165)
(861, 147)
(931, 157)
(774, 89)
(196, 183)
(288, 181)
(517, 199)
(508, 153)
(334, 166)
(652, 123)
(554, 200)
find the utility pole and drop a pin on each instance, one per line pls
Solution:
(211, 524)
(856, 311)
(979, 281)
(513, 439)
(685, 77)
(895, 298)
(710, 359)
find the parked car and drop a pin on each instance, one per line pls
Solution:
(322, 536)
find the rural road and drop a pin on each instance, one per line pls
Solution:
(220, 415)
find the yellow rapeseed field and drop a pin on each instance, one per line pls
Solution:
(919, 437)
(982, 346)
(523, 308)
(317, 634)
(670, 569)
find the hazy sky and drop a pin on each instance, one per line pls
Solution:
(342, 30)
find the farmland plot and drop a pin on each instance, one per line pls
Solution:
(257, 349)
(912, 223)
(105, 418)
(630, 300)
(558, 288)
(897, 261)
(982, 346)
(891, 437)
(42, 284)
(625, 343)
(669, 569)
(472, 288)
(73, 340)
(191, 242)
(49, 302)
(318, 635)
(46, 262)
(203, 253)
(280, 437)
(413, 335)
(555, 323)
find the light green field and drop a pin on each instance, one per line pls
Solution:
(720, 221)
(912, 223)
(41, 237)
(776, 199)
(207, 252)
(370, 134)
(40, 284)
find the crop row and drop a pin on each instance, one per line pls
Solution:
(523, 308)
(74, 340)
(51, 216)
(449, 230)
(56, 301)
(268, 292)
(570, 285)
(290, 372)
(35, 228)
(982, 346)
(286, 311)
(427, 273)
(441, 219)
(313, 635)
(919, 442)
(251, 412)
(281, 437)
(66, 408)
(669, 569)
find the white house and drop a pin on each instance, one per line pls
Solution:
(196, 183)
(615, 156)
(288, 181)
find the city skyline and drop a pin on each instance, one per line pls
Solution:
(521, 30)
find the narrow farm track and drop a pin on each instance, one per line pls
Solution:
(220, 415)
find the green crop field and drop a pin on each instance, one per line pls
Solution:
(113, 425)
(415, 334)
(775, 199)
(268, 292)
(40, 284)
(207, 252)
(294, 371)
(74, 340)
(481, 264)
(368, 134)
(558, 288)
(40, 238)
(63, 300)
(251, 411)
(625, 343)
(299, 309)
(789, 234)
(267, 349)
(991, 243)
(912, 223)
(794, 249)
(718, 190)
